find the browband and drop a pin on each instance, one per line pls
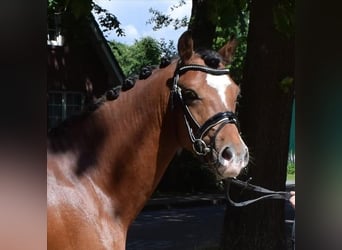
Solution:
(205, 69)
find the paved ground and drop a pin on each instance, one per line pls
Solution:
(182, 222)
(177, 228)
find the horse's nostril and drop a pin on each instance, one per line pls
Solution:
(246, 158)
(227, 154)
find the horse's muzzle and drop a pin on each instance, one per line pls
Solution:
(231, 160)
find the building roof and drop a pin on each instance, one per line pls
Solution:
(91, 32)
(104, 51)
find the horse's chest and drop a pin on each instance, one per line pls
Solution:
(83, 211)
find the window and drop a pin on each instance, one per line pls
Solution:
(54, 34)
(63, 104)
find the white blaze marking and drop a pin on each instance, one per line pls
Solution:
(220, 83)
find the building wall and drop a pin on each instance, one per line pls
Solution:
(73, 68)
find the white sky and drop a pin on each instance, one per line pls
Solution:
(133, 15)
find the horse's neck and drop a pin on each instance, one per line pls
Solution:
(141, 143)
(130, 144)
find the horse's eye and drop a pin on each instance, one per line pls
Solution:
(189, 95)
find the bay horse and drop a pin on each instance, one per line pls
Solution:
(103, 166)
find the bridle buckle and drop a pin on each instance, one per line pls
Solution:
(200, 147)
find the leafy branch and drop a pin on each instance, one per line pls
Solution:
(160, 20)
(83, 8)
(108, 20)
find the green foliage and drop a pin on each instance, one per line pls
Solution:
(124, 56)
(107, 20)
(284, 17)
(291, 165)
(234, 24)
(146, 51)
(150, 51)
(168, 49)
(160, 20)
(52, 4)
(78, 8)
(291, 168)
(286, 83)
(231, 18)
(82, 8)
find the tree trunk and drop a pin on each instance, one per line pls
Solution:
(265, 116)
(201, 25)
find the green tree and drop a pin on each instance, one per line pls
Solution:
(148, 51)
(124, 56)
(144, 52)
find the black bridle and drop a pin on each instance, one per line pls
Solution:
(200, 147)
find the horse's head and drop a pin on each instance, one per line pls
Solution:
(207, 100)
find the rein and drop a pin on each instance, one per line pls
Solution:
(245, 185)
(198, 144)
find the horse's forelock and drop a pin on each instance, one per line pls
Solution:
(211, 58)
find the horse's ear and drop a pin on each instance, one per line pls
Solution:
(228, 50)
(185, 46)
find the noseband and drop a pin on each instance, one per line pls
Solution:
(199, 146)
